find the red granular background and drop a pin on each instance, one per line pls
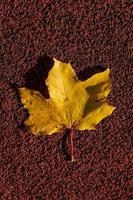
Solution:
(91, 35)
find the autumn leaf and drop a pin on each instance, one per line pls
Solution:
(73, 104)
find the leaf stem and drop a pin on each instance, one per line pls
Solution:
(71, 143)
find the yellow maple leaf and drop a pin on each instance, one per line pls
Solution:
(73, 104)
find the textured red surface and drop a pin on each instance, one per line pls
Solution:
(91, 35)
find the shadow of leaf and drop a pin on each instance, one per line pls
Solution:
(35, 77)
(90, 71)
(64, 145)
